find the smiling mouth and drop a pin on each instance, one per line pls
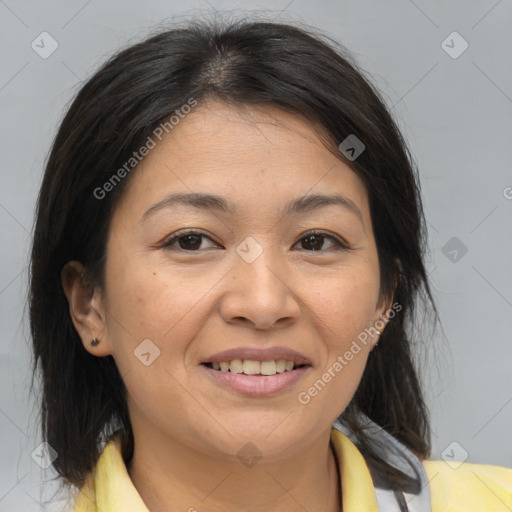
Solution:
(255, 368)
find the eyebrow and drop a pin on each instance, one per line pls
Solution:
(213, 203)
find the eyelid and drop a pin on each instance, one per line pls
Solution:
(340, 243)
(184, 232)
(343, 244)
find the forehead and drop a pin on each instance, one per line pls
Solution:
(256, 156)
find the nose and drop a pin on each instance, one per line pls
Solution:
(260, 292)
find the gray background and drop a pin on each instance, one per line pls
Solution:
(455, 114)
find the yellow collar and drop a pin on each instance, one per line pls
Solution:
(109, 487)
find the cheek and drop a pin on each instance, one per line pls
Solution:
(344, 309)
(345, 304)
(149, 301)
(145, 303)
(141, 295)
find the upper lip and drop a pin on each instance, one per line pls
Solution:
(258, 354)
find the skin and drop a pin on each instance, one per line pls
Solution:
(188, 430)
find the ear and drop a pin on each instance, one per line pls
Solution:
(85, 308)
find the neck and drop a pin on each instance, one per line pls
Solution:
(172, 476)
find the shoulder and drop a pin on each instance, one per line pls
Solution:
(470, 487)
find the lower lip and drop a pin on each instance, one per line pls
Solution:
(255, 385)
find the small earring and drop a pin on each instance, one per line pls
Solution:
(95, 342)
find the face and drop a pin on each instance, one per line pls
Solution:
(186, 282)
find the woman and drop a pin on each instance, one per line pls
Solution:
(227, 252)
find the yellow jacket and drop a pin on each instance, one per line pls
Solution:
(468, 488)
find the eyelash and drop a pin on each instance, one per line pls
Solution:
(339, 245)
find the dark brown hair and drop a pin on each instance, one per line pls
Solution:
(240, 63)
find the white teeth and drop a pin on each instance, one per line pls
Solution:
(280, 365)
(236, 366)
(268, 368)
(253, 367)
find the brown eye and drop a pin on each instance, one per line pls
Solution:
(190, 242)
(187, 241)
(314, 241)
